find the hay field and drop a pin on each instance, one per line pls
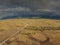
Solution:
(34, 31)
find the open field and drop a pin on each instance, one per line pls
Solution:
(32, 31)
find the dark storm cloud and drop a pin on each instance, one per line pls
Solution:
(33, 3)
(8, 7)
(44, 4)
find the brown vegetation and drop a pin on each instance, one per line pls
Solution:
(35, 32)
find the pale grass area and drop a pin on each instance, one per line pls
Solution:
(29, 37)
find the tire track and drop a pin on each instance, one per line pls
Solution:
(12, 35)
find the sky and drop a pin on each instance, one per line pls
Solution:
(9, 7)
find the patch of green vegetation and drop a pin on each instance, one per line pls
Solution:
(42, 28)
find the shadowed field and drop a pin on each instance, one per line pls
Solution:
(34, 32)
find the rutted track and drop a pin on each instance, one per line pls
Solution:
(12, 33)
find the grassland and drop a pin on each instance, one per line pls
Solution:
(34, 31)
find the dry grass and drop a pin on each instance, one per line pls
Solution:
(32, 35)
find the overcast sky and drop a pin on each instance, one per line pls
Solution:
(46, 4)
(8, 7)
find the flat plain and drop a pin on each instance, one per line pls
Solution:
(32, 31)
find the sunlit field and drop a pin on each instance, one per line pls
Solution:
(31, 32)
